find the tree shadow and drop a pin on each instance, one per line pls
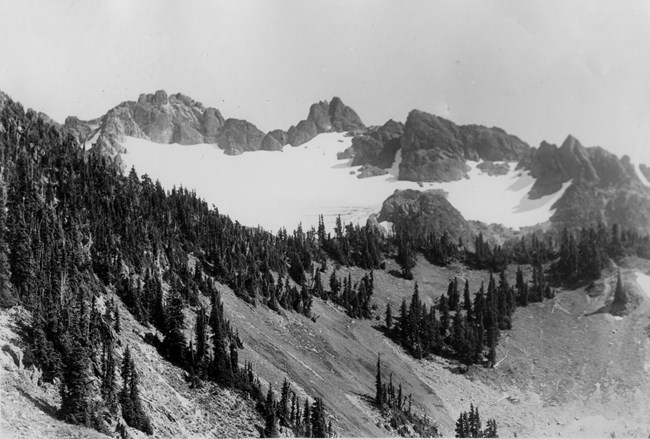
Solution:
(45, 407)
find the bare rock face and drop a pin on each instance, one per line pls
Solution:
(604, 189)
(325, 117)
(342, 117)
(274, 140)
(435, 149)
(238, 136)
(425, 212)
(553, 166)
(79, 129)
(376, 146)
(302, 133)
(157, 117)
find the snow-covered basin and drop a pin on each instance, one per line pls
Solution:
(276, 189)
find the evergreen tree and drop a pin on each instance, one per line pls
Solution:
(318, 424)
(108, 379)
(75, 390)
(271, 425)
(379, 389)
(174, 344)
(389, 318)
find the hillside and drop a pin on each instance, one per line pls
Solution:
(539, 389)
(81, 245)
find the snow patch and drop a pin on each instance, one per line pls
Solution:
(89, 143)
(637, 169)
(282, 189)
(644, 282)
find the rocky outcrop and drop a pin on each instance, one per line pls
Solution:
(302, 133)
(435, 149)
(370, 171)
(553, 166)
(325, 117)
(156, 117)
(238, 136)
(493, 169)
(604, 189)
(376, 146)
(274, 140)
(424, 212)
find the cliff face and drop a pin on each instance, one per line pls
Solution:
(156, 117)
(435, 149)
(376, 146)
(325, 117)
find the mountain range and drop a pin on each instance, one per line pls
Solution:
(425, 148)
(141, 299)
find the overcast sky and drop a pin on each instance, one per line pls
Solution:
(539, 69)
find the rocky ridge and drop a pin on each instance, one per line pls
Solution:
(325, 117)
(435, 149)
(603, 187)
(177, 118)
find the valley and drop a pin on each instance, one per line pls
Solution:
(169, 231)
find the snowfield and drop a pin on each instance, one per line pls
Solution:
(276, 189)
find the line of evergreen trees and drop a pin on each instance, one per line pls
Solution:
(308, 421)
(461, 328)
(469, 425)
(398, 407)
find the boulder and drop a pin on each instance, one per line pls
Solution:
(370, 171)
(494, 169)
(425, 212)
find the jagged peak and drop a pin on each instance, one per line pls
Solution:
(571, 143)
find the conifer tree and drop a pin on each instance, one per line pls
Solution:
(389, 318)
(108, 379)
(75, 393)
(174, 344)
(306, 414)
(318, 424)
(201, 341)
(271, 425)
(379, 389)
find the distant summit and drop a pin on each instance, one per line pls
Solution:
(177, 118)
(598, 187)
(325, 117)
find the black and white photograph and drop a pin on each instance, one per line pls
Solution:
(319, 219)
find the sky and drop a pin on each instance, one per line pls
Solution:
(539, 69)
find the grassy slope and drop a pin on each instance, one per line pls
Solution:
(560, 371)
(566, 372)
